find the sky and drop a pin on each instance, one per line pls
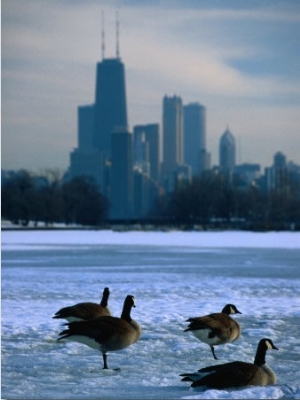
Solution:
(241, 60)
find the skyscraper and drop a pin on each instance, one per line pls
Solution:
(85, 127)
(141, 160)
(227, 151)
(195, 137)
(172, 135)
(121, 174)
(87, 163)
(146, 192)
(110, 103)
(97, 122)
(147, 145)
(278, 174)
(86, 160)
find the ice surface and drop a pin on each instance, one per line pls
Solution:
(216, 239)
(173, 276)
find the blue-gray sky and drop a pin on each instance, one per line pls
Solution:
(241, 60)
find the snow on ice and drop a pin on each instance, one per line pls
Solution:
(173, 276)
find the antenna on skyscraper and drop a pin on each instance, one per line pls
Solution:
(103, 36)
(117, 35)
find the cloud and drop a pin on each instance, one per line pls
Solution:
(236, 60)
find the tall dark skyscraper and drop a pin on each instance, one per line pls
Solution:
(98, 121)
(121, 175)
(110, 103)
(195, 153)
(105, 145)
(85, 120)
(86, 160)
(172, 135)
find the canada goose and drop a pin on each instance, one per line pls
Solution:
(106, 333)
(86, 310)
(217, 328)
(237, 373)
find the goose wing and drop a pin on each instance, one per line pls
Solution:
(111, 331)
(227, 375)
(84, 311)
(99, 328)
(216, 322)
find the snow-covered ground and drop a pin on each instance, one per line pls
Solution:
(173, 276)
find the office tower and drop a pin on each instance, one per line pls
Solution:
(195, 137)
(172, 137)
(183, 176)
(146, 194)
(279, 160)
(86, 160)
(278, 174)
(204, 160)
(147, 148)
(227, 151)
(110, 103)
(97, 121)
(89, 164)
(121, 174)
(248, 172)
(85, 126)
(141, 153)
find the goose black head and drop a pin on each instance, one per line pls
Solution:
(230, 309)
(130, 300)
(267, 344)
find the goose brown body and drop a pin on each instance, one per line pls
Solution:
(237, 373)
(86, 310)
(217, 328)
(106, 333)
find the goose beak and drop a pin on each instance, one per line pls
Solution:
(274, 347)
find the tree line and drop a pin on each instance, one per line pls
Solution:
(210, 200)
(218, 199)
(50, 200)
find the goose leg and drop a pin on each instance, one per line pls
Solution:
(104, 361)
(213, 352)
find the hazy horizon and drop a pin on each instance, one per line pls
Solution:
(239, 60)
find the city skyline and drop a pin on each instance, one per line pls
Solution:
(48, 69)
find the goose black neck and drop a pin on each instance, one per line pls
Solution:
(260, 357)
(126, 312)
(105, 296)
(226, 310)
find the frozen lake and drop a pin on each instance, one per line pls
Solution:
(173, 276)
